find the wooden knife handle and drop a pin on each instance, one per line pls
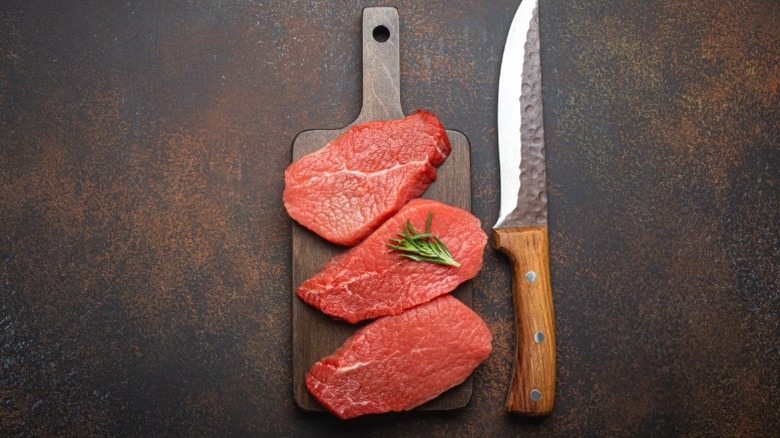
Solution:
(532, 391)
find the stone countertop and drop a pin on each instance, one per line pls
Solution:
(146, 251)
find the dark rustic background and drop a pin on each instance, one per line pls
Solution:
(146, 253)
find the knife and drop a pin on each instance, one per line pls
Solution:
(521, 229)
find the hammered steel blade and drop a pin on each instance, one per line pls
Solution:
(520, 127)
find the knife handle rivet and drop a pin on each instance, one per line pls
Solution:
(530, 276)
(535, 395)
(538, 337)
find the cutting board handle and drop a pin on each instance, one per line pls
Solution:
(381, 65)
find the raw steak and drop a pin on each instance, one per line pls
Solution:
(369, 281)
(399, 362)
(345, 190)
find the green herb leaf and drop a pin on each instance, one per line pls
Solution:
(424, 247)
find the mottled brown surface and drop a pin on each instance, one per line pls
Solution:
(146, 254)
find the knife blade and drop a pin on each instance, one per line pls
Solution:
(521, 229)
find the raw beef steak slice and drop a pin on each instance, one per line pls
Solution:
(399, 362)
(345, 190)
(369, 281)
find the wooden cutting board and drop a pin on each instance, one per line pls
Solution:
(316, 335)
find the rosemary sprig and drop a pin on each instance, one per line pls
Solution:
(423, 247)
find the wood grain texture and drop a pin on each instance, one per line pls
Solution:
(532, 389)
(316, 335)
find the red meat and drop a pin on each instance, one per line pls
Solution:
(369, 281)
(399, 362)
(345, 190)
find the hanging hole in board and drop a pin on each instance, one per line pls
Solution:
(381, 34)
